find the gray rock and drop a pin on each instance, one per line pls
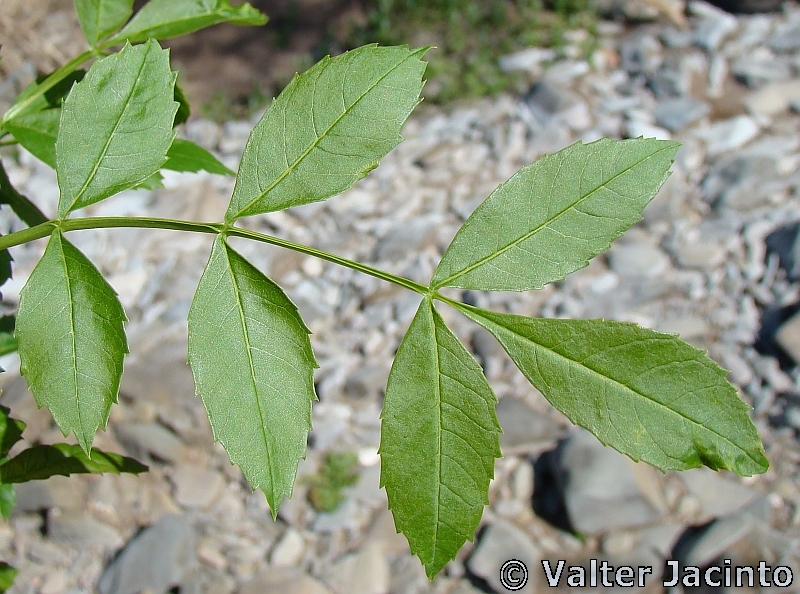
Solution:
(788, 337)
(638, 259)
(675, 114)
(529, 59)
(366, 571)
(718, 496)
(786, 39)
(366, 381)
(195, 486)
(760, 67)
(407, 239)
(57, 491)
(640, 53)
(499, 542)
(525, 431)
(714, 27)
(283, 581)
(157, 559)
(739, 181)
(600, 487)
(82, 531)
(150, 439)
(785, 242)
(726, 135)
(773, 99)
(548, 99)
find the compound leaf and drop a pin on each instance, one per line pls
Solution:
(100, 18)
(647, 394)
(253, 365)
(185, 155)
(551, 217)
(100, 152)
(43, 461)
(328, 128)
(71, 340)
(163, 19)
(439, 439)
(37, 132)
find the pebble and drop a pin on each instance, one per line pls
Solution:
(715, 253)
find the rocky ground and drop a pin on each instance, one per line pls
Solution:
(716, 259)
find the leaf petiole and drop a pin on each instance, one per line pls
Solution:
(46, 228)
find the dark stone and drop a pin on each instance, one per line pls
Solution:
(785, 242)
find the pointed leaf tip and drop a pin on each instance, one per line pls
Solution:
(439, 440)
(552, 217)
(251, 357)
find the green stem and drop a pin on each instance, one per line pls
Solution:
(45, 229)
(55, 77)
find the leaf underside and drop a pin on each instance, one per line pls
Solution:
(100, 18)
(37, 132)
(648, 394)
(185, 155)
(254, 368)
(552, 217)
(439, 439)
(100, 152)
(163, 19)
(328, 128)
(71, 340)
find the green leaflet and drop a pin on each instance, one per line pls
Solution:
(37, 132)
(163, 19)
(10, 431)
(184, 155)
(647, 394)
(184, 109)
(7, 575)
(8, 499)
(22, 207)
(328, 128)
(253, 365)
(71, 340)
(439, 439)
(551, 217)
(100, 18)
(43, 461)
(100, 152)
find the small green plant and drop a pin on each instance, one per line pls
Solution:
(647, 394)
(338, 470)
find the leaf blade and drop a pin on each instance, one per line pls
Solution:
(102, 152)
(71, 340)
(162, 19)
(185, 155)
(554, 215)
(439, 439)
(330, 146)
(669, 405)
(37, 132)
(269, 386)
(100, 18)
(40, 462)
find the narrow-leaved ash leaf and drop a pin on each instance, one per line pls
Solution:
(647, 394)
(7, 575)
(162, 19)
(71, 340)
(37, 132)
(328, 128)
(439, 440)
(253, 365)
(552, 217)
(100, 152)
(8, 499)
(100, 18)
(43, 461)
(185, 155)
